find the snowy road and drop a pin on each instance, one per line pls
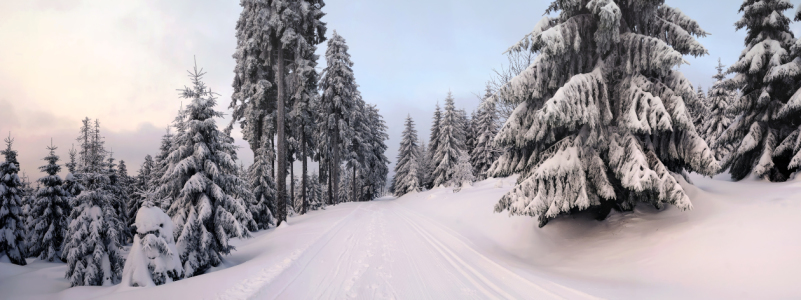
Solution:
(382, 250)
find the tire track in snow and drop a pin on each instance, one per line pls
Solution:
(252, 286)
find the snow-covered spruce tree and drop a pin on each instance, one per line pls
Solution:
(470, 133)
(153, 259)
(72, 185)
(790, 113)
(92, 246)
(604, 123)
(160, 165)
(49, 212)
(338, 104)
(450, 141)
(269, 35)
(433, 147)
(407, 178)
(764, 106)
(462, 172)
(261, 182)
(486, 126)
(423, 164)
(205, 212)
(719, 116)
(142, 188)
(12, 233)
(315, 192)
(700, 112)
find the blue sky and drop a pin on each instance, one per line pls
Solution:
(122, 61)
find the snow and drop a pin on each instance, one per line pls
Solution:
(740, 241)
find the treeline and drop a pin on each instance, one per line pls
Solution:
(185, 204)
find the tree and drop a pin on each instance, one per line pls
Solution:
(92, 246)
(450, 143)
(49, 213)
(433, 147)
(375, 164)
(205, 212)
(700, 112)
(505, 101)
(485, 153)
(338, 105)
(462, 172)
(12, 233)
(263, 187)
(270, 33)
(407, 178)
(160, 165)
(423, 164)
(790, 147)
(719, 117)
(604, 123)
(767, 86)
(142, 187)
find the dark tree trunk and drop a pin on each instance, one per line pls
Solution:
(335, 169)
(292, 183)
(354, 197)
(281, 138)
(305, 206)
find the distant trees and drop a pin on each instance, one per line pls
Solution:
(12, 234)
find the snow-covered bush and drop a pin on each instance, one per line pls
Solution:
(153, 259)
(603, 120)
(462, 173)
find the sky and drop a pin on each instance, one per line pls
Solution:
(121, 62)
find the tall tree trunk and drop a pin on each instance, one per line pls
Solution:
(330, 200)
(281, 139)
(353, 180)
(305, 206)
(292, 183)
(335, 169)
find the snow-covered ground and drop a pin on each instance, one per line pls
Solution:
(741, 240)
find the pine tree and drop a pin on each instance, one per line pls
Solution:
(160, 165)
(450, 143)
(700, 112)
(142, 187)
(719, 117)
(790, 113)
(462, 172)
(261, 182)
(603, 123)
(338, 105)
(92, 246)
(71, 184)
(433, 147)
(485, 153)
(423, 164)
(12, 234)
(762, 110)
(269, 34)
(49, 213)
(205, 212)
(407, 178)
(375, 166)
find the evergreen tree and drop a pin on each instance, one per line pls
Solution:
(423, 164)
(160, 166)
(433, 147)
(49, 212)
(142, 187)
(338, 104)
(71, 184)
(12, 234)
(270, 34)
(261, 182)
(719, 117)
(484, 152)
(407, 178)
(699, 112)
(375, 166)
(762, 110)
(790, 114)
(462, 172)
(604, 123)
(205, 213)
(450, 143)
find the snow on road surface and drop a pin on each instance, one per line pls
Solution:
(740, 241)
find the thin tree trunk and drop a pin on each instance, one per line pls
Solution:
(281, 139)
(335, 169)
(353, 184)
(305, 205)
(292, 183)
(330, 188)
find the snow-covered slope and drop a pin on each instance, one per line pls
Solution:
(740, 241)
